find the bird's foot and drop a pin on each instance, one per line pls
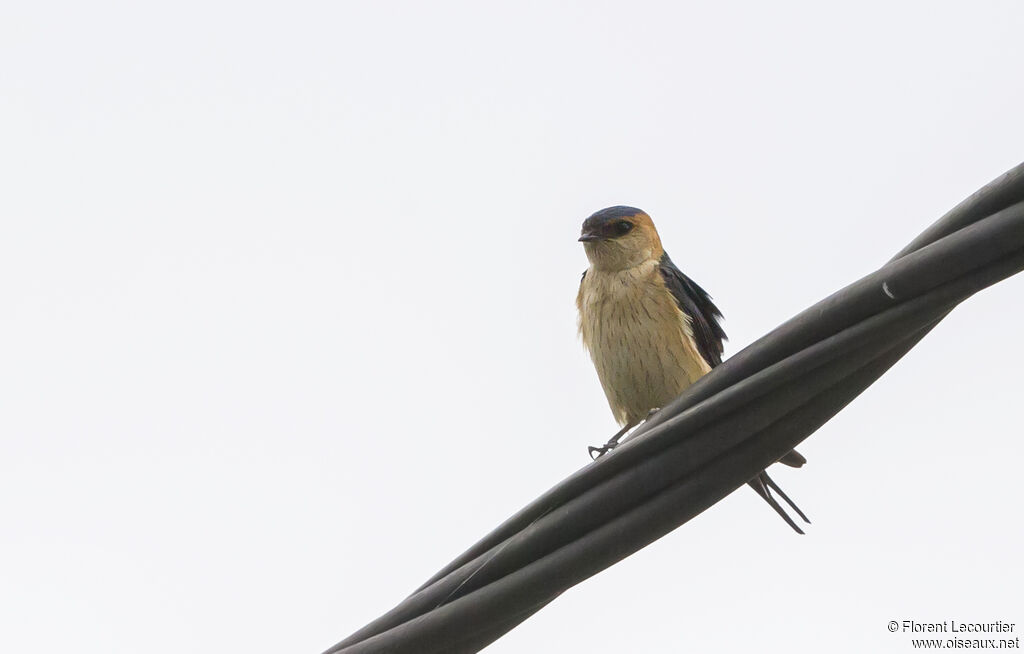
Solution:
(613, 442)
(597, 452)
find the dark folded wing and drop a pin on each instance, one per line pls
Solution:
(695, 302)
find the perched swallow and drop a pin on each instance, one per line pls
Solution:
(650, 329)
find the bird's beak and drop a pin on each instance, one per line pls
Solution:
(590, 236)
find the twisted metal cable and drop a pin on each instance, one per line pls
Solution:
(723, 430)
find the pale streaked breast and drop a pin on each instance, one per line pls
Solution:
(641, 343)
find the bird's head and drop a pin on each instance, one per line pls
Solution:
(619, 238)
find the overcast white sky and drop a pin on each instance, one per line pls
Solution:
(287, 290)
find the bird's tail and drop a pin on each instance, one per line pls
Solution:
(793, 459)
(763, 485)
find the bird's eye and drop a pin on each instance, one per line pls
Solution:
(623, 226)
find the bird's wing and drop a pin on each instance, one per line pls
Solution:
(708, 335)
(695, 302)
(579, 295)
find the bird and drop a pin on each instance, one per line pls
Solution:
(651, 331)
